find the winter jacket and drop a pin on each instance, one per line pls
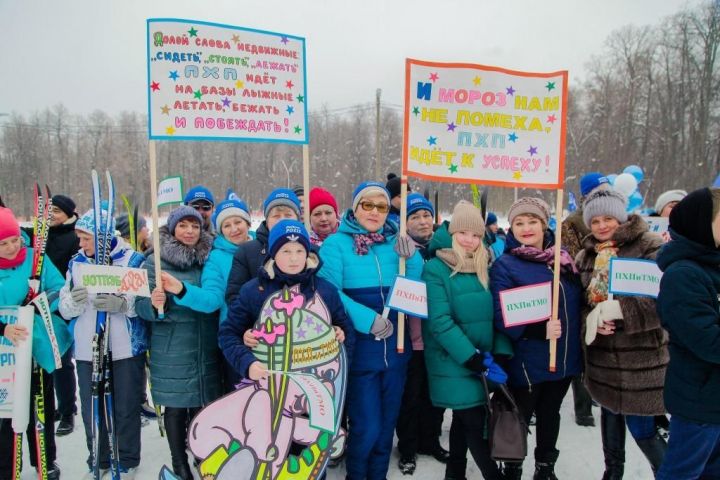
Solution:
(624, 372)
(531, 350)
(184, 356)
(364, 281)
(460, 321)
(128, 333)
(62, 244)
(245, 310)
(246, 262)
(14, 289)
(210, 297)
(574, 232)
(688, 305)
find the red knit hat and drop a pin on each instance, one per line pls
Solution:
(320, 196)
(9, 226)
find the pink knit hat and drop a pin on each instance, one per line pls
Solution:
(9, 226)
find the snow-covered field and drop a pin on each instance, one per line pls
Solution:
(580, 455)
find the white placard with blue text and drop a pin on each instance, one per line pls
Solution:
(657, 224)
(409, 296)
(634, 277)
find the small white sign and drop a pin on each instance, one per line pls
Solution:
(170, 191)
(108, 279)
(320, 401)
(528, 304)
(634, 277)
(409, 296)
(15, 368)
(658, 224)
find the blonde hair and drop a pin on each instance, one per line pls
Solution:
(480, 256)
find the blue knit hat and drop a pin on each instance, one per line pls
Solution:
(199, 193)
(86, 223)
(491, 219)
(368, 188)
(183, 211)
(230, 208)
(416, 202)
(287, 231)
(591, 181)
(282, 197)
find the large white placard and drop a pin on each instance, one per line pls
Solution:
(409, 296)
(528, 304)
(634, 277)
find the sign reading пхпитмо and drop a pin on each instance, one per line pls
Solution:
(529, 304)
(634, 277)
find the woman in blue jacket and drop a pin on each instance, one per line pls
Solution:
(361, 260)
(528, 260)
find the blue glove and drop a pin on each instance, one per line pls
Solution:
(493, 373)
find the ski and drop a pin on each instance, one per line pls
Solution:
(132, 221)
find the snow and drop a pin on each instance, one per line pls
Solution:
(580, 454)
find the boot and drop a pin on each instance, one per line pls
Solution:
(612, 428)
(512, 471)
(176, 431)
(545, 471)
(654, 449)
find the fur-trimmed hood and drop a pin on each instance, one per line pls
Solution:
(181, 256)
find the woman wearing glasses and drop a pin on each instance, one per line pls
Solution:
(361, 260)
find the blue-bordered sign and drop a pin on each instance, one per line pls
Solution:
(634, 277)
(408, 296)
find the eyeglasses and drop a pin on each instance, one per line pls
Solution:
(204, 207)
(369, 206)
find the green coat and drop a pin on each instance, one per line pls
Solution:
(184, 355)
(460, 320)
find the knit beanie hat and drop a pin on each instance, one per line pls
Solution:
(416, 202)
(320, 196)
(692, 217)
(230, 208)
(366, 189)
(65, 204)
(667, 197)
(181, 212)
(86, 223)
(287, 231)
(199, 193)
(393, 185)
(605, 202)
(282, 197)
(122, 224)
(298, 190)
(491, 219)
(468, 217)
(9, 226)
(530, 206)
(590, 181)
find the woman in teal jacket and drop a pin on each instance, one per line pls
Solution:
(184, 354)
(460, 338)
(15, 269)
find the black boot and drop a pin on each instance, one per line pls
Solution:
(512, 471)
(612, 428)
(176, 431)
(544, 471)
(654, 449)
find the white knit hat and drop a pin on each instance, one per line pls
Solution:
(667, 197)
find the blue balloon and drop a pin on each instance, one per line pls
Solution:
(635, 171)
(635, 201)
(611, 178)
(572, 203)
(552, 223)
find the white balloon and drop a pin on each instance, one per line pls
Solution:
(626, 184)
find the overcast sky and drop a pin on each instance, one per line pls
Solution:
(90, 54)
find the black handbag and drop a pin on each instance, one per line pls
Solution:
(507, 430)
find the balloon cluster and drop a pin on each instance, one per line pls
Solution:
(627, 184)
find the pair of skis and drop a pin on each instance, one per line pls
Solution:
(102, 381)
(41, 228)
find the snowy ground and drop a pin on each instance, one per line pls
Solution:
(580, 455)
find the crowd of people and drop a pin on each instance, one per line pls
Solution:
(637, 357)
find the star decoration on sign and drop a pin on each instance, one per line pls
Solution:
(532, 150)
(289, 84)
(432, 140)
(301, 332)
(477, 81)
(236, 38)
(165, 110)
(173, 75)
(170, 130)
(510, 90)
(453, 168)
(284, 40)
(268, 312)
(517, 175)
(298, 129)
(239, 84)
(551, 118)
(192, 32)
(433, 77)
(318, 328)
(155, 86)
(290, 110)
(301, 98)
(416, 111)
(197, 94)
(451, 126)
(512, 137)
(226, 102)
(550, 86)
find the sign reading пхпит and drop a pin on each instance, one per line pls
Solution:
(634, 277)
(529, 304)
